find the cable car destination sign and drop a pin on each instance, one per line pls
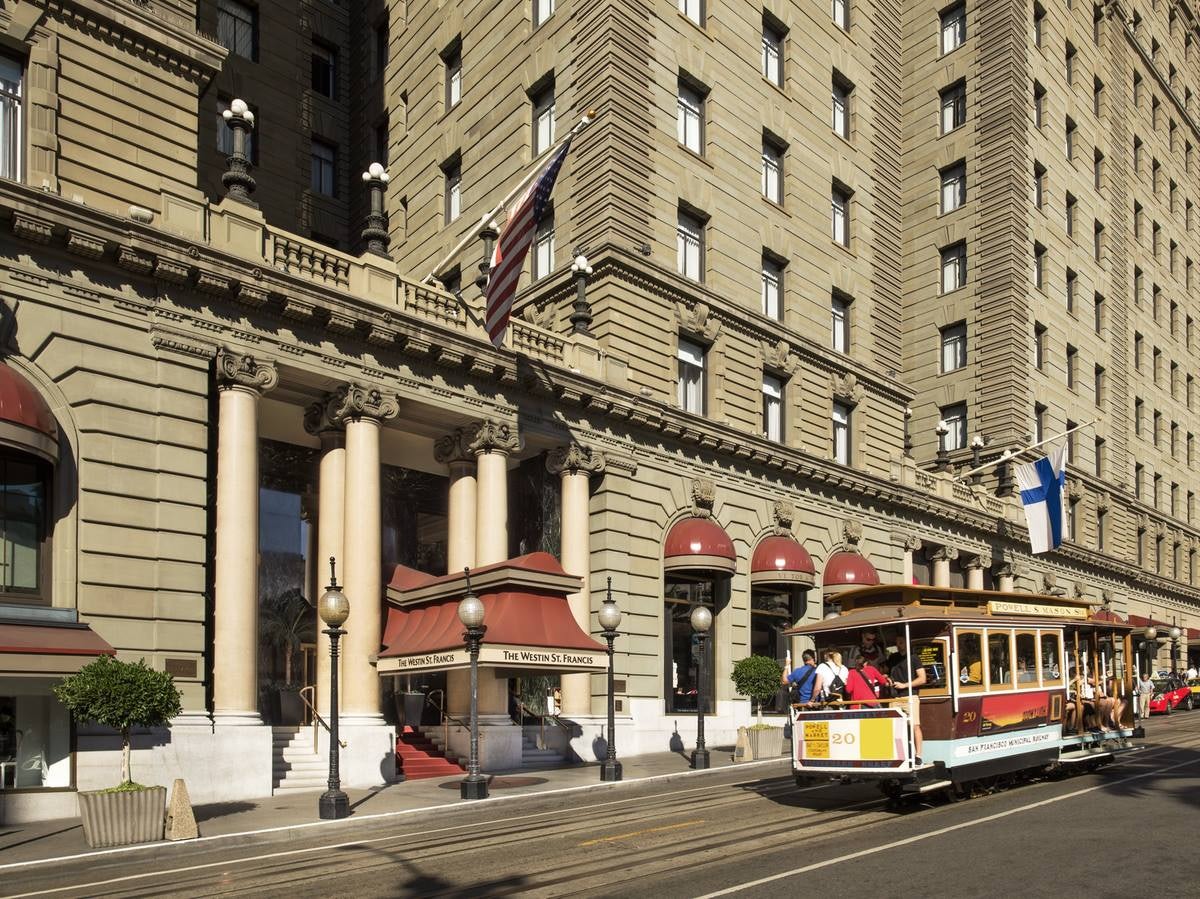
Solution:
(1040, 609)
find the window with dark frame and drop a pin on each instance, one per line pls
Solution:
(237, 28)
(12, 140)
(324, 168)
(324, 70)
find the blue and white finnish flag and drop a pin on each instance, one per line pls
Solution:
(1042, 484)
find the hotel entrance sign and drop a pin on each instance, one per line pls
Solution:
(499, 656)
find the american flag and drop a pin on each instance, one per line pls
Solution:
(513, 246)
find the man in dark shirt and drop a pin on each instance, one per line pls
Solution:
(804, 677)
(906, 686)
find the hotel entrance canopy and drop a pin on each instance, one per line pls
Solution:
(529, 623)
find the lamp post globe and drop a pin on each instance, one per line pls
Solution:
(334, 609)
(610, 618)
(701, 619)
(471, 614)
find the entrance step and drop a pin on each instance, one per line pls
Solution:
(295, 766)
(418, 757)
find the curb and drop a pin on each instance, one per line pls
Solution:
(290, 832)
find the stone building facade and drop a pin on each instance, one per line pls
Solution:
(823, 253)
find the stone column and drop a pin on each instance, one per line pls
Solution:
(1005, 576)
(492, 442)
(941, 565)
(362, 409)
(240, 382)
(975, 567)
(331, 505)
(452, 452)
(576, 464)
(911, 545)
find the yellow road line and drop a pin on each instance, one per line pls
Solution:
(638, 833)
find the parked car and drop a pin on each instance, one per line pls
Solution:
(1170, 694)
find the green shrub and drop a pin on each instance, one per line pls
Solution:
(120, 695)
(758, 678)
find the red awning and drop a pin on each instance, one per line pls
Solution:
(1107, 615)
(845, 570)
(49, 648)
(698, 545)
(26, 421)
(528, 626)
(781, 560)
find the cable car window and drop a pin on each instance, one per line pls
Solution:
(1027, 672)
(970, 660)
(931, 655)
(1051, 661)
(1000, 675)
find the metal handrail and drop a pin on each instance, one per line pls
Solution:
(446, 717)
(556, 719)
(316, 717)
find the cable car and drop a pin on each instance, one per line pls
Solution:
(1014, 683)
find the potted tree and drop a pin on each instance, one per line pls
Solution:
(286, 622)
(121, 695)
(758, 678)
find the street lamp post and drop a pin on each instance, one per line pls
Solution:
(1175, 633)
(334, 609)
(701, 622)
(610, 617)
(470, 613)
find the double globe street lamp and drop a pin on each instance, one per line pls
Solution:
(334, 609)
(610, 618)
(701, 622)
(470, 613)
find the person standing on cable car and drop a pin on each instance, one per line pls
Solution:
(803, 678)
(869, 649)
(898, 666)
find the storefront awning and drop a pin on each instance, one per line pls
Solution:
(698, 546)
(529, 623)
(48, 648)
(781, 561)
(26, 422)
(847, 569)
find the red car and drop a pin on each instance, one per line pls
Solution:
(1170, 694)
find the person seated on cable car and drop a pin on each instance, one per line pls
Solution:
(1025, 671)
(862, 686)
(1116, 705)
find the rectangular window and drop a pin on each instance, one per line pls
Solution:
(1101, 457)
(452, 172)
(1039, 185)
(36, 735)
(954, 107)
(1069, 62)
(543, 120)
(954, 347)
(380, 51)
(1100, 385)
(1097, 241)
(841, 433)
(1039, 105)
(324, 168)
(237, 28)
(1072, 457)
(1039, 17)
(691, 387)
(840, 322)
(841, 107)
(1039, 266)
(542, 10)
(840, 10)
(324, 70)
(543, 246)
(1072, 279)
(954, 186)
(1138, 409)
(840, 215)
(452, 61)
(1072, 361)
(954, 267)
(772, 52)
(1138, 343)
(954, 27)
(1039, 423)
(1097, 96)
(11, 136)
(1098, 169)
(772, 407)
(1039, 346)
(1098, 313)
(772, 288)
(1069, 134)
(772, 171)
(1101, 529)
(954, 434)
(1069, 214)
(690, 117)
(689, 246)
(381, 142)
(693, 10)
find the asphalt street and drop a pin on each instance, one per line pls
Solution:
(1126, 828)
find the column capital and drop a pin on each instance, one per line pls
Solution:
(350, 401)
(575, 458)
(908, 542)
(944, 553)
(243, 370)
(452, 448)
(491, 436)
(978, 560)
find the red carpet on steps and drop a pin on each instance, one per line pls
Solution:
(418, 758)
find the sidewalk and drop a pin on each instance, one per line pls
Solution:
(20, 843)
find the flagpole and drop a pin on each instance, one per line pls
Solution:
(490, 217)
(1009, 454)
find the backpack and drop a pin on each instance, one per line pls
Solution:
(836, 688)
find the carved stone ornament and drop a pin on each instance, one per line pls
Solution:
(1160, 529)
(351, 401)
(491, 436)
(241, 370)
(704, 497)
(698, 320)
(452, 448)
(912, 543)
(846, 389)
(979, 560)
(780, 357)
(317, 418)
(944, 554)
(1143, 521)
(1050, 584)
(784, 514)
(1106, 599)
(1102, 501)
(1074, 489)
(540, 316)
(1176, 538)
(574, 458)
(1077, 590)
(852, 532)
